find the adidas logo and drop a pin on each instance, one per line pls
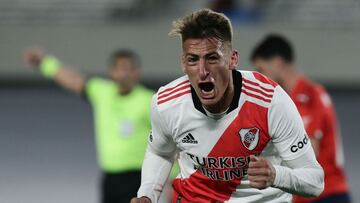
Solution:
(189, 139)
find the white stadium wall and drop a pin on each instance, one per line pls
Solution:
(329, 56)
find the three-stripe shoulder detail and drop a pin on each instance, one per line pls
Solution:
(173, 92)
(257, 90)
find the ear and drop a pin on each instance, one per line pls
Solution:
(234, 60)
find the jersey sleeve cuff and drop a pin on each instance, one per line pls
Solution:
(49, 67)
(280, 173)
(149, 192)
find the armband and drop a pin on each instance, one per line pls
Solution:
(49, 66)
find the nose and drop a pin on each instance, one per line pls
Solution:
(203, 69)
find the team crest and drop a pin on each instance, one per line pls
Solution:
(249, 137)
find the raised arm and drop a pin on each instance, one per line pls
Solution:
(51, 68)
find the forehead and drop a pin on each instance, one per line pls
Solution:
(201, 46)
(263, 61)
(260, 63)
(122, 61)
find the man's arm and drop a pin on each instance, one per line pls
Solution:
(315, 143)
(301, 176)
(300, 172)
(159, 158)
(51, 68)
(155, 171)
(321, 113)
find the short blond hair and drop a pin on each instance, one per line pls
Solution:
(204, 23)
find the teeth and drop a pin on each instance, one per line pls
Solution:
(205, 92)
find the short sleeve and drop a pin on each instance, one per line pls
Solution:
(286, 127)
(96, 88)
(320, 107)
(160, 140)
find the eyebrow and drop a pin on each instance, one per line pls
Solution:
(190, 54)
(206, 55)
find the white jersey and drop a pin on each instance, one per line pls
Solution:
(214, 153)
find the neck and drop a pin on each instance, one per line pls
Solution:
(215, 116)
(289, 79)
(124, 91)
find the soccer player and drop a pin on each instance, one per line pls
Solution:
(121, 112)
(274, 57)
(235, 131)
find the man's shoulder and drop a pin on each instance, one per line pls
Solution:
(101, 82)
(173, 93)
(97, 88)
(257, 88)
(175, 83)
(257, 78)
(144, 91)
(312, 92)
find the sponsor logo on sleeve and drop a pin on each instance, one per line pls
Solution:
(299, 145)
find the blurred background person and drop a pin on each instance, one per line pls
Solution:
(274, 57)
(121, 109)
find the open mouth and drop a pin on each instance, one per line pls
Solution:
(207, 90)
(206, 86)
